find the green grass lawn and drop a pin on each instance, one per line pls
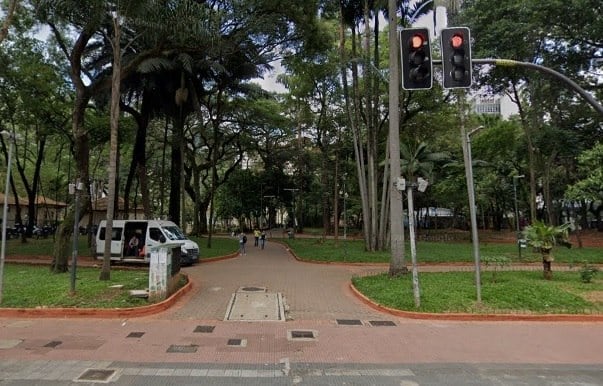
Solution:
(353, 251)
(220, 246)
(512, 292)
(34, 286)
(29, 286)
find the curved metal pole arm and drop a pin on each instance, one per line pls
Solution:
(573, 85)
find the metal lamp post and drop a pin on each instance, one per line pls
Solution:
(11, 138)
(517, 230)
(344, 195)
(472, 211)
(293, 192)
(270, 197)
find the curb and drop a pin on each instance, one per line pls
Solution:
(476, 317)
(107, 313)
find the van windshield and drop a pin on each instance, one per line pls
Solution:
(174, 233)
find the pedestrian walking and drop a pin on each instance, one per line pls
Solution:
(256, 236)
(263, 239)
(242, 242)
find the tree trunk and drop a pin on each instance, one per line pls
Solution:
(10, 14)
(138, 165)
(176, 171)
(531, 155)
(82, 154)
(547, 259)
(105, 273)
(397, 264)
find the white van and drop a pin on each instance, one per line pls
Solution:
(150, 233)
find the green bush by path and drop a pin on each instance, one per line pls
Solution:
(353, 251)
(513, 292)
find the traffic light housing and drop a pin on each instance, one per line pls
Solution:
(417, 67)
(456, 57)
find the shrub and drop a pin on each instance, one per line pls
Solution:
(587, 272)
(497, 262)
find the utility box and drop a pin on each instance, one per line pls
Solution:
(160, 270)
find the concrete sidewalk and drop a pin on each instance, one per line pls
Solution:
(328, 327)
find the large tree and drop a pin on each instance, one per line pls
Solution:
(33, 97)
(546, 33)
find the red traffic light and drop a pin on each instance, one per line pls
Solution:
(456, 57)
(417, 41)
(456, 41)
(415, 55)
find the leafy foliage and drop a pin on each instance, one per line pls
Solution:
(545, 237)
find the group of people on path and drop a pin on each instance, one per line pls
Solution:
(259, 240)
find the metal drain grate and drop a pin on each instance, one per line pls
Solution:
(53, 343)
(205, 329)
(302, 335)
(349, 322)
(96, 375)
(382, 323)
(192, 348)
(135, 335)
(237, 342)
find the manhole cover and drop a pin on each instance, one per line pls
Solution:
(256, 306)
(135, 335)
(205, 329)
(182, 349)
(252, 289)
(380, 323)
(303, 335)
(96, 375)
(349, 322)
(53, 344)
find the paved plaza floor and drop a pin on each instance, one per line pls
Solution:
(328, 336)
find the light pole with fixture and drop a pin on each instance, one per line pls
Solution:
(11, 138)
(270, 197)
(344, 194)
(472, 211)
(293, 192)
(517, 230)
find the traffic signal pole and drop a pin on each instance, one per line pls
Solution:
(545, 70)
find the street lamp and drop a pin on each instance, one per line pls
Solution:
(270, 197)
(293, 192)
(75, 190)
(11, 138)
(472, 211)
(517, 230)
